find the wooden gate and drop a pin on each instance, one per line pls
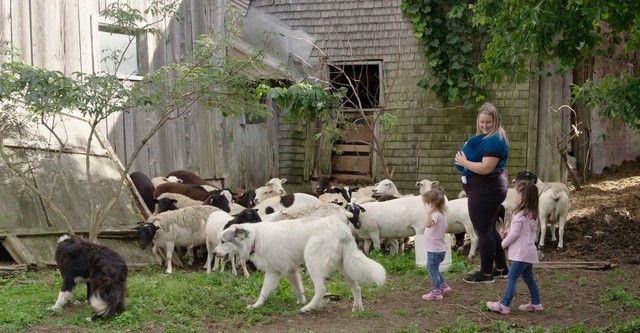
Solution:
(352, 155)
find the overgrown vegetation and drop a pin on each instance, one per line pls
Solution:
(470, 43)
(453, 47)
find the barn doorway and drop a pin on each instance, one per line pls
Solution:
(352, 158)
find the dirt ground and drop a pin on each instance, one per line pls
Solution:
(603, 226)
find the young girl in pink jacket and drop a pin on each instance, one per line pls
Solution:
(522, 249)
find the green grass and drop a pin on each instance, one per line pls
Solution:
(192, 301)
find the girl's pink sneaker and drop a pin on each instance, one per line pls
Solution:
(531, 307)
(431, 297)
(498, 307)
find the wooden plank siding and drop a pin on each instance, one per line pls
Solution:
(63, 35)
(217, 148)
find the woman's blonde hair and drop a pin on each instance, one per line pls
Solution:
(490, 109)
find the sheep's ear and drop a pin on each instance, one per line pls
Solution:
(361, 208)
(435, 182)
(173, 201)
(283, 180)
(314, 178)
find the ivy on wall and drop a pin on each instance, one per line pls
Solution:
(453, 47)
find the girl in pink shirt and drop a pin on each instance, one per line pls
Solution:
(522, 249)
(434, 204)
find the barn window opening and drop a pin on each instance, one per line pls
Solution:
(120, 51)
(362, 82)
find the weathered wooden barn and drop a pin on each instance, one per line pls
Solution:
(369, 36)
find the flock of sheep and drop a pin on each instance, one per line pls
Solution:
(186, 211)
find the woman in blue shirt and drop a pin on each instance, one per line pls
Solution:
(482, 160)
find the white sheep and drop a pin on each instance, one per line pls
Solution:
(553, 208)
(184, 227)
(337, 199)
(393, 219)
(216, 223)
(294, 200)
(459, 220)
(276, 184)
(314, 210)
(427, 185)
(386, 187)
(363, 195)
(182, 201)
(404, 217)
(553, 205)
(265, 192)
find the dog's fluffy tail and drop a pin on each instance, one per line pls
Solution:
(361, 268)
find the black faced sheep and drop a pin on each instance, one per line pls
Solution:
(183, 227)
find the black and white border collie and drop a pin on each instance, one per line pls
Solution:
(104, 271)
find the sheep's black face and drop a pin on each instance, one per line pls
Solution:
(146, 231)
(249, 198)
(526, 176)
(166, 204)
(219, 201)
(248, 215)
(323, 183)
(355, 210)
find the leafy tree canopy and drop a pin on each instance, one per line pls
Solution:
(525, 35)
(567, 32)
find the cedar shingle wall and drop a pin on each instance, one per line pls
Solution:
(427, 135)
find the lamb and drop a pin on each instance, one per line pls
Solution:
(217, 222)
(184, 227)
(553, 206)
(291, 201)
